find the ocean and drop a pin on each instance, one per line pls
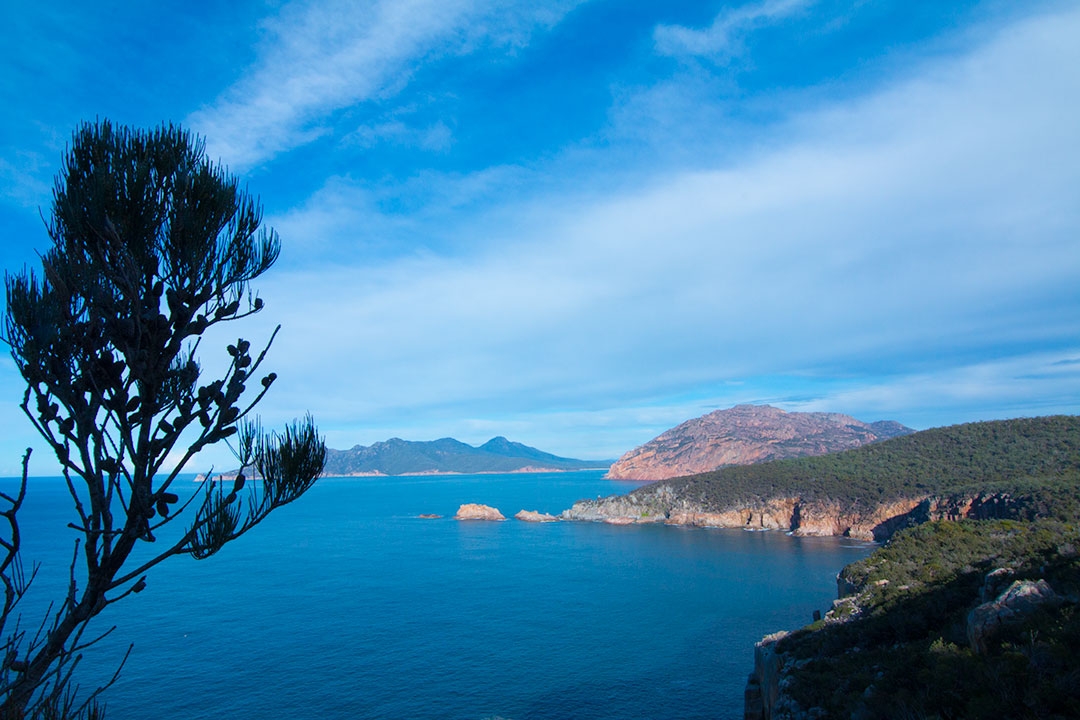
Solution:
(346, 604)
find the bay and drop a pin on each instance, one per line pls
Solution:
(346, 604)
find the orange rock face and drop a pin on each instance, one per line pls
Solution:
(743, 435)
(877, 522)
(475, 511)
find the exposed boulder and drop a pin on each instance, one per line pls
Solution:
(476, 511)
(1017, 602)
(535, 516)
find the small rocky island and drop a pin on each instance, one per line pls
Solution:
(535, 516)
(476, 511)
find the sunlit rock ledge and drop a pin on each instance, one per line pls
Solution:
(786, 514)
(877, 523)
(535, 516)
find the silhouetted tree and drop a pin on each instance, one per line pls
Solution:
(152, 245)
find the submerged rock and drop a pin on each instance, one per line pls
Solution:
(476, 511)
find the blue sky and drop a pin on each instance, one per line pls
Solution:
(578, 224)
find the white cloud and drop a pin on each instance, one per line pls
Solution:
(436, 137)
(1023, 385)
(321, 57)
(913, 228)
(909, 255)
(723, 39)
(346, 219)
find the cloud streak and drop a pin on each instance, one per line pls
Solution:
(321, 57)
(723, 39)
(576, 245)
(916, 228)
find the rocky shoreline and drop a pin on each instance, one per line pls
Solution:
(476, 511)
(662, 504)
(951, 602)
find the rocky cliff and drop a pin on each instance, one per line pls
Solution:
(1009, 469)
(948, 620)
(816, 517)
(747, 434)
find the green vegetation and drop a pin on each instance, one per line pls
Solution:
(909, 642)
(904, 649)
(152, 246)
(1035, 457)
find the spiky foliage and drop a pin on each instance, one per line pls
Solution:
(152, 245)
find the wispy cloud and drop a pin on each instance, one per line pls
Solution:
(902, 248)
(918, 227)
(320, 57)
(436, 137)
(1023, 385)
(21, 181)
(372, 222)
(723, 39)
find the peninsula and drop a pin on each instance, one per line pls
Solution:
(1000, 469)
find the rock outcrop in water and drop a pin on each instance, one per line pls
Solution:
(476, 511)
(747, 434)
(535, 516)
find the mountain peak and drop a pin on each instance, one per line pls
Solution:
(447, 455)
(746, 434)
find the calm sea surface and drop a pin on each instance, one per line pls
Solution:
(347, 605)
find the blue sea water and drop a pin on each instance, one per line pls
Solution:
(347, 605)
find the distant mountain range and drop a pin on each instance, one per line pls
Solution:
(405, 457)
(744, 435)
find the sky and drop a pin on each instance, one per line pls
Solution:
(578, 223)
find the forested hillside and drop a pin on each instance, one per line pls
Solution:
(1024, 454)
(968, 619)
(973, 619)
